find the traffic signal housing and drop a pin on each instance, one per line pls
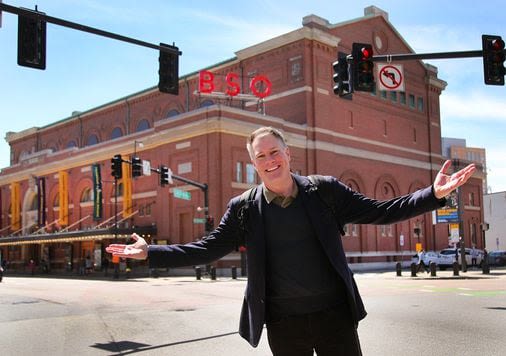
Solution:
(493, 59)
(363, 67)
(165, 176)
(168, 72)
(136, 167)
(116, 171)
(341, 76)
(31, 42)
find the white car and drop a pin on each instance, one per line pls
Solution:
(449, 254)
(441, 260)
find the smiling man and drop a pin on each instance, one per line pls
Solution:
(299, 283)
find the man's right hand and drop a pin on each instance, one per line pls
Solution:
(138, 250)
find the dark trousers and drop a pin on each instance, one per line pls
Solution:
(328, 332)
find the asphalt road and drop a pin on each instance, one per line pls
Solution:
(181, 316)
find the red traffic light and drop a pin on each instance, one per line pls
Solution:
(493, 59)
(497, 44)
(363, 67)
(366, 53)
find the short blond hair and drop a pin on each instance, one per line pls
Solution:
(262, 131)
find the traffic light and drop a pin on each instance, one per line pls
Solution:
(363, 67)
(209, 223)
(341, 76)
(493, 59)
(31, 42)
(165, 176)
(116, 171)
(168, 72)
(136, 167)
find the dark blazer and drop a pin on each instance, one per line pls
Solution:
(350, 207)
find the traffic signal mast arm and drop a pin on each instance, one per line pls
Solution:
(54, 20)
(416, 56)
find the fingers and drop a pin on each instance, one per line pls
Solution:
(135, 236)
(445, 167)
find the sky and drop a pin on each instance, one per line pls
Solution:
(84, 71)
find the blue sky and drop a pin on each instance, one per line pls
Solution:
(84, 70)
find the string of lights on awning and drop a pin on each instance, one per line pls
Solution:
(78, 235)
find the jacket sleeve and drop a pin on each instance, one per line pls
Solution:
(354, 207)
(217, 244)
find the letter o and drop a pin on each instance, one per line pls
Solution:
(255, 81)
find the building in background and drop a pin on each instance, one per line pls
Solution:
(494, 207)
(59, 202)
(456, 148)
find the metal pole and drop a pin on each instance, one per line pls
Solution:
(79, 27)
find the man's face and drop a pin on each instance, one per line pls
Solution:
(271, 159)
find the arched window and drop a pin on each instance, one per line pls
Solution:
(173, 113)
(34, 204)
(71, 144)
(56, 201)
(117, 132)
(142, 125)
(206, 102)
(86, 195)
(92, 140)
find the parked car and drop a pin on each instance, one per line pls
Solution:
(449, 254)
(497, 258)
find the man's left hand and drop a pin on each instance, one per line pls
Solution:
(444, 184)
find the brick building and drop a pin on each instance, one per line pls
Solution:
(382, 144)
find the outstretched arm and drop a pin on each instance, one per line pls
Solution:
(138, 250)
(444, 184)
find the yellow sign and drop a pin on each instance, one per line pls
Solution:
(418, 247)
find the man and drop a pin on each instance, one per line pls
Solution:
(421, 262)
(299, 283)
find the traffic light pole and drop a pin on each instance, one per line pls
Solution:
(57, 21)
(415, 56)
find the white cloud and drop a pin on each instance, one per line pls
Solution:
(474, 106)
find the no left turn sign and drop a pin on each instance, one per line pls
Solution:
(391, 77)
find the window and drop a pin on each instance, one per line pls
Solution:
(173, 113)
(117, 132)
(206, 103)
(383, 94)
(142, 125)
(346, 229)
(34, 204)
(419, 104)
(86, 195)
(71, 144)
(296, 68)
(402, 98)
(238, 172)
(92, 140)
(411, 101)
(250, 174)
(471, 199)
(393, 96)
(350, 230)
